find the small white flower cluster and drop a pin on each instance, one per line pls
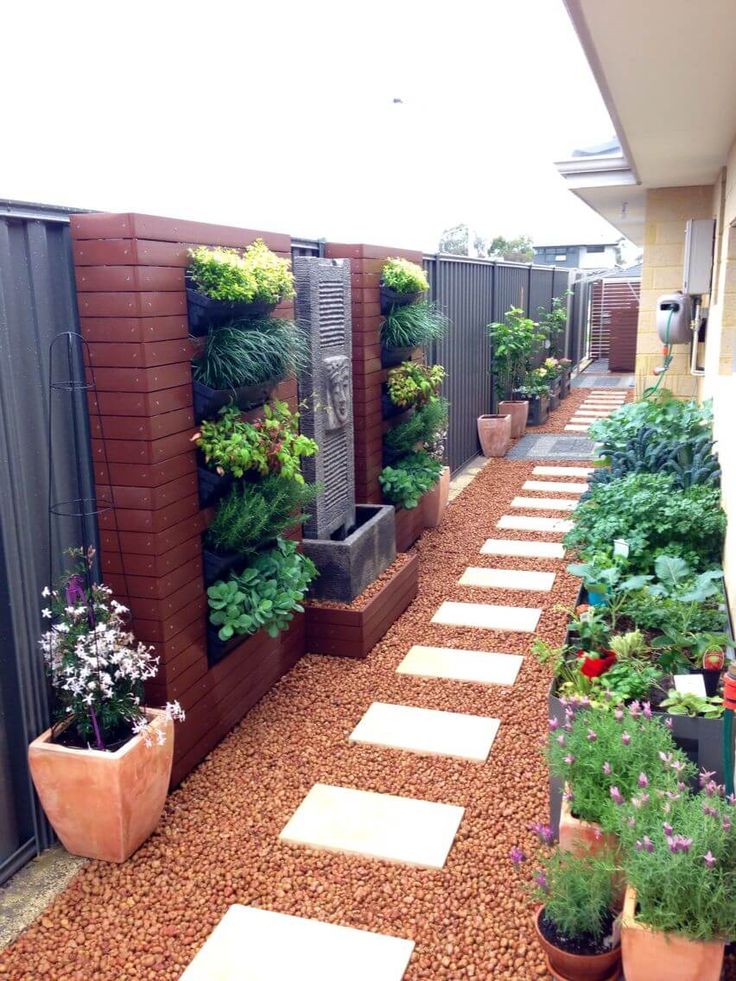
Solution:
(142, 727)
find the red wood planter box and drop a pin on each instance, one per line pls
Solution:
(353, 633)
(409, 526)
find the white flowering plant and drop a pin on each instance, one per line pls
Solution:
(96, 666)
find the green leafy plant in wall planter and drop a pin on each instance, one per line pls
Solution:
(412, 384)
(408, 327)
(224, 284)
(404, 483)
(402, 282)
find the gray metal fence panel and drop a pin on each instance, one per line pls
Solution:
(37, 301)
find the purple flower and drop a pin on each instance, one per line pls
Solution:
(569, 759)
(584, 702)
(667, 829)
(607, 769)
(640, 801)
(678, 766)
(517, 856)
(678, 843)
(668, 722)
(648, 844)
(709, 811)
(672, 796)
(666, 758)
(635, 709)
(554, 724)
(731, 800)
(631, 821)
(568, 796)
(561, 739)
(713, 789)
(592, 736)
(681, 785)
(618, 714)
(709, 859)
(616, 795)
(626, 739)
(74, 591)
(643, 781)
(705, 776)
(543, 831)
(647, 710)
(726, 824)
(541, 880)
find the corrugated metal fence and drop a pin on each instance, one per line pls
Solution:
(37, 302)
(473, 293)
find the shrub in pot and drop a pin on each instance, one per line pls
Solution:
(606, 758)
(513, 342)
(577, 925)
(679, 858)
(102, 770)
(402, 282)
(224, 284)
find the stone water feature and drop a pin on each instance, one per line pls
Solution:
(350, 544)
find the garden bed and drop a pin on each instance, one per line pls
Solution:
(352, 630)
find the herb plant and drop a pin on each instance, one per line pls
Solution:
(254, 513)
(264, 596)
(680, 856)
(608, 757)
(420, 428)
(273, 444)
(403, 276)
(653, 517)
(413, 475)
(414, 384)
(690, 704)
(252, 276)
(578, 893)
(414, 325)
(250, 352)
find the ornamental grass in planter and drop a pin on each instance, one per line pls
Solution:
(408, 327)
(226, 284)
(680, 866)
(102, 770)
(243, 361)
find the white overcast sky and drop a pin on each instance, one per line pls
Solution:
(280, 115)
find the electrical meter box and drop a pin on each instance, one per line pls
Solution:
(698, 268)
(673, 318)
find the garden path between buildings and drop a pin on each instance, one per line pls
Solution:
(217, 843)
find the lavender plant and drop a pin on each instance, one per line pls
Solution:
(680, 856)
(96, 666)
(606, 758)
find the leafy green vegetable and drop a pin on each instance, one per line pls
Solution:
(413, 475)
(679, 420)
(414, 384)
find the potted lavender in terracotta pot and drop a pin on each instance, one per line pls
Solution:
(102, 770)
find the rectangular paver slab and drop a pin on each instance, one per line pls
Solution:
(488, 616)
(555, 487)
(531, 550)
(361, 822)
(539, 582)
(545, 503)
(250, 944)
(576, 429)
(522, 522)
(545, 471)
(420, 730)
(457, 664)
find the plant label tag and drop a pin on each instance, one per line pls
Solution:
(621, 548)
(690, 684)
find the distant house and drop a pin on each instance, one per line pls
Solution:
(599, 255)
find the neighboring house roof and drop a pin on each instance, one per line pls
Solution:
(573, 245)
(612, 147)
(630, 272)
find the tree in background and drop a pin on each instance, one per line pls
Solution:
(455, 240)
(518, 249)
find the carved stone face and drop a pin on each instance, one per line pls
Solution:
(337, 371)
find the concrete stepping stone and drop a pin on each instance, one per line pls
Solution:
(522, 522)
(420, 730)
(531, 550)
(361, 822)
(574, 428)
(555, 487)
(456, 664)
(546, 503)
(593, 411)
(488, 616)
(538, 582)
(548, 471)
(250, 944)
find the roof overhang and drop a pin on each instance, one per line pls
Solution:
(667, 73)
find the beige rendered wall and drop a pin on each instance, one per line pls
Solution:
(667, 211)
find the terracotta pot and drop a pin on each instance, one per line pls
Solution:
(435, 500)
(519, 412)
(104, 805)
(653, 955)
(582, 836)
(494, 433)
(578, 967)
